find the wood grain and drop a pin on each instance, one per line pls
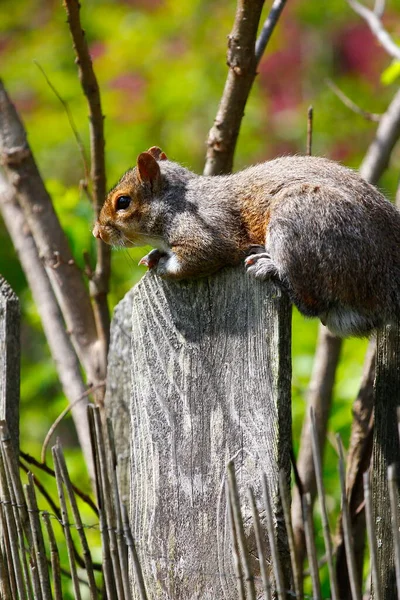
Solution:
(10, 354)
(211, 373)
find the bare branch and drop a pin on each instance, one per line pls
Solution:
(352, 105)
(372, 18)
(379, 8)
(51, 241)
(99, 284)
(358, 461)
(268, 27)
(243, 58)
(64, 356)
(378, 154)
(319, 399)
(62, 415)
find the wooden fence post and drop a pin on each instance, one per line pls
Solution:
(211, 376)
(386, 451)
(10, 352)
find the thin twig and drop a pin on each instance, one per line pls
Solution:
(260, 546)
(284, 492)
(352, 105)
(394, 507)
(324, 513)
(351, 564)
(7, 555)
(65, 526)
(13, 475)
(268, 27)
(56, 512)
(99, 284)
(375, 24)
(5, 589)
(237, 565)
(14, 539)
(239, 527)
(71, 122)
(87, 557)
(275, 559)
(371, 538)
(54, 558)
(32, 461)
(109, 513)
(38, 541)
(135, 559)
(319, 396)
(63, 414)
(106, 559)
(310, 543)
(310, 115)
(122, 548)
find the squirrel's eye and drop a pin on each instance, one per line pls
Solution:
(122, 202)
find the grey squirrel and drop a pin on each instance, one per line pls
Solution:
(328, 237)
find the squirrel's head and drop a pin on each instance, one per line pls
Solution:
(128, 203)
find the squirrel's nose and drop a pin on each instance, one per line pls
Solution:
(96, 230)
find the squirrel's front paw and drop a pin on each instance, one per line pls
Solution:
(151, 259)
(261, 266)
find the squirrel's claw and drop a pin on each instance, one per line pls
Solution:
(151, 259)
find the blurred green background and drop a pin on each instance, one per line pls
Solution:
(161, 65)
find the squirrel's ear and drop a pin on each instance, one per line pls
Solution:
(157, 153)
(148, 169)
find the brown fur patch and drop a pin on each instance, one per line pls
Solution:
(255, 219)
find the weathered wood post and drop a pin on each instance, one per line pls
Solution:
(209, 381)
(10, 352)
(386, 451)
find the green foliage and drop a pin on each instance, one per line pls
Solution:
(161, 68)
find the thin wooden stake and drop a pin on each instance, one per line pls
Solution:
(276, 563)
(8, 587)
(297, 577)
(348, 543)
(18, 511)
(371, 538)
(12, 532)
(122, 548)
(135, 559)
(310, 544)
(87, 557)
(109, 512)
(394, 507)
(260, 546)
(14, 479)
(107, 566)
(324, 514)
(238, 519)
(66, 526)
(237, 565)
(54, 557)
(38, 542)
